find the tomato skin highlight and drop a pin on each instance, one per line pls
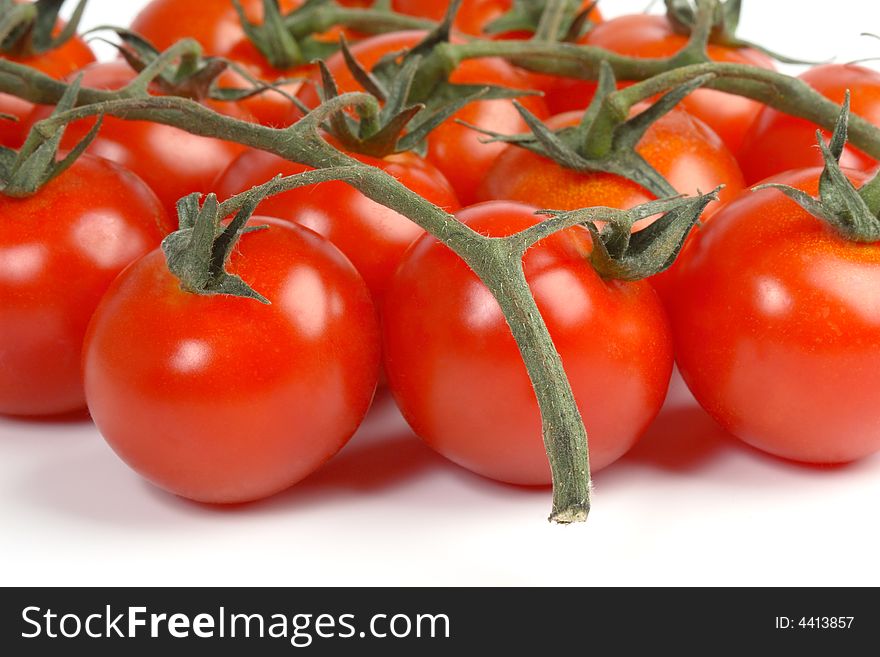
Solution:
(459, 379)
(226, 400)
(59, 252)
(454, 149)
(680, 147)
(213, 23)
(778, 142)
(57, 63)
(795, 369)
(171, 161)
(652, 37)
(374, 237)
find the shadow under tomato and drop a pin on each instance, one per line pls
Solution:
(681, 440)
(75, 417)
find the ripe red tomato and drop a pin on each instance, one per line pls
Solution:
(372, 236)
(59, 251)
(458, 377)
(649, 36)
(474, 15)
(454, 149)
(58, 63)
(795, 368)
(172, 162)
(225, 400)
(213, 23)
(680, 147)
(779, 142)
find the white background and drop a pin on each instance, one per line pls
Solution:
(690, 506)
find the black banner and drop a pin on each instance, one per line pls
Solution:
(432, 621)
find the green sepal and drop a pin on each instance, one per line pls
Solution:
(197, 253)
(620, 254)
(275, 41)
(525, 16)
(683, 16)
(25, 172)
(846, 209)
(574, 147)
(27, 29)
(405, 119)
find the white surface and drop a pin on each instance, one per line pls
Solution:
(689, 506)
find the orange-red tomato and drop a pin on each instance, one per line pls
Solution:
(59, 251)
(474, 15)
(58, 63)
(779, 142)
(453, 148)
(213, 23)
(372, 236)
(225, 400)
(649, 36)
(456, 372)
(680, 147)
(777, 321)
(172, 162)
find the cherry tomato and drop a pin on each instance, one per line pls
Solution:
(453, 148)
(213, 23)
(173, 163)
(59, 251)
(680, 147)
(779, 142)
(649, 36)
(794, 368)
(458, 377)
(474, 15)
(372, 236)
(221, 399)
(57, 63)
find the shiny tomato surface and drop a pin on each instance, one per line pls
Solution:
(222, 399)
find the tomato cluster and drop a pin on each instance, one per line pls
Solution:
(772, 315)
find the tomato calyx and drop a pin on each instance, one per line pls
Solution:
(274, 40)
(606, 138)
(197, 253)
(569, 23)
(409, 108)
(853, 213)
(29, 28)
(621, 254)
(713, 22)
(399, 124)
(24, 172)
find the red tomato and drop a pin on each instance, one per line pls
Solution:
(777, 321)
(454, 149)
(474, 15)
(58, 63)
(59, 251)
(221, 399)
(372, 236)
(682, 148)
(648, 36)
(458, 377)
(213, 23)
(779, 142)
(173, 163)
